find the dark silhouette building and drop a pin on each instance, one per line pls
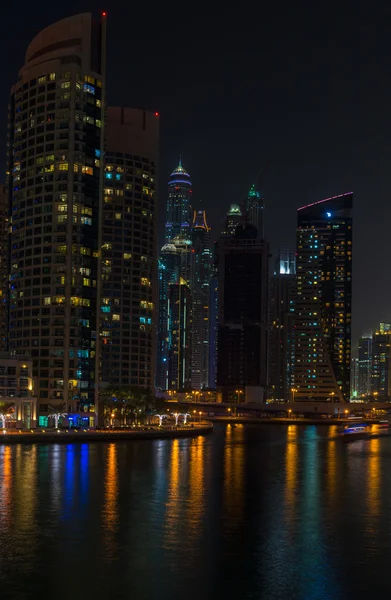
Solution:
(179, 331)
(364, 365)
(242, 262)
(324, 300)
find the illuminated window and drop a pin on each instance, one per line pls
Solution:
(98, 103)
(87, 170)
(86, 210)
(109, 191)
(63, 166)
(62, 218)
(116, 317)
(88, 119)
(127, 256)
(65, 85)
(89, 89)
(98, 123)
(42, 79)
(109, 176)
(47, 300)
(128, 186)
(76, 167)
(89, 79)
(86, 220)
(119, 192)
(62, 208)
(49, 168)
(61, 249)
(85, 251)
(97, 162)
(118, 216)
(52, 76)
(98, 83)
(39, 160)
(86, 281)
(49, 158)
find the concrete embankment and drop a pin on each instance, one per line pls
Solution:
(277, 421)
(70, 436)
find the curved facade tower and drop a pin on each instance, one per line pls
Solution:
(56, 146)
(179, 213)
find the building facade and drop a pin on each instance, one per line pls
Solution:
(324, 299)
(4, 267)
(255, 208)
(281, 326)
(180, 331)
(56, 142)
(128, 283)
(179, 212)
(365, 365)
(242, 262)
(381, 364)
(200, 289)
(16, 387)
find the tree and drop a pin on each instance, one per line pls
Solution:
(56, 411)
(6, 410)
(127, 400)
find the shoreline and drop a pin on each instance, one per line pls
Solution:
(278, 421)
(71, 436)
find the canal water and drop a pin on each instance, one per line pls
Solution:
(251, 511)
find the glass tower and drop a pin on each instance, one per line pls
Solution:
(324, 300)
(179, 213)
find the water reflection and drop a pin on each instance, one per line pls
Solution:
(291, 472)
(373, 481)
(5, 487)
(196, 491)
(110, 508)
(233, 490)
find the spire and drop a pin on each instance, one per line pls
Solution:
(180, 161)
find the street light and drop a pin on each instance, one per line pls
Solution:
(200, 413)
(238, 393)
(293, 390)
(289, 413)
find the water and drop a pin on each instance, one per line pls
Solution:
(263, 512)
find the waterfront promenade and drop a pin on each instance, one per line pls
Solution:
(67, 436)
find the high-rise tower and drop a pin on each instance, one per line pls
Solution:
(200, 300)
(255, 208)
(179, 212)
(365, 365)
(4, 267)
(56, 143)
(242, 262)
(324, 299)
(128, 290)
(281, 325)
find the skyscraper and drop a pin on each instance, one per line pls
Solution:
(200, 300)
(255, 208)
(168, 272)
(242, 262)
(381, 363)
(4, 267)
(128, 290)
(56, 143)
(324, 299)
(233, 218)
(180, 331)
(179, 213)
(281, 325)
(365, 365)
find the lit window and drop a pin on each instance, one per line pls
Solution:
(109, 191)
(88, 119)
(118, 176)
(67, 75)
(42, 79)
(85, 251)
(86, 281)
(97, 153)
(98, 103)
(116, 317)
(109, 176)
(49, 158)
(97, 162)
(89, 89)
(76, 167)
(63, 166)
(87, 170)
(61, 249)
(65, 85)
(98, 83)
(118, 216)
(128, 186)
(127, 256)
(86, 220)
(89, 79)
(98, 123)
(47, 300)
(52, 76)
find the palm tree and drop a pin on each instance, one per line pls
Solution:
(6, 409)
(128, 399)
(56, 411)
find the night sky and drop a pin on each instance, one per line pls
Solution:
(307, 86)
